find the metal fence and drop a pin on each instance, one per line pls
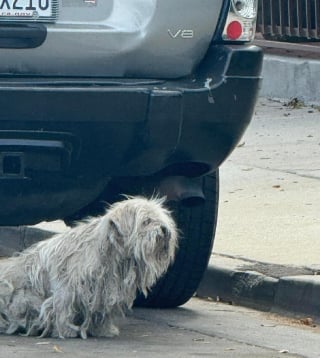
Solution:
(289, 19)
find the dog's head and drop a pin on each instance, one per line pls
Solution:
(143, 232)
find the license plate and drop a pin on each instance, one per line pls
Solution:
(29, 10)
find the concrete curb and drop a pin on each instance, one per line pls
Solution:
(291, 77)
(299, 294)
(294, 294)
(229, 279)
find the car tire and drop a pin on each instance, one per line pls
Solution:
(196, 225)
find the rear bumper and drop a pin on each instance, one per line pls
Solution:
(61, 139)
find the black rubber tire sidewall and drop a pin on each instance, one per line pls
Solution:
(197, 230)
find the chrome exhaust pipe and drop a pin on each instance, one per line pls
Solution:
(187, 191)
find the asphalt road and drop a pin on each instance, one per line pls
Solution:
(198, 329)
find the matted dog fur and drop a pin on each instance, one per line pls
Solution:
(76, 283)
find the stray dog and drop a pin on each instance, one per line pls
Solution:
(76, 283)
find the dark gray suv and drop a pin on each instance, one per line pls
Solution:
(101, 98)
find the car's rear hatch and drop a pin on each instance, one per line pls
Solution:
(111, 38)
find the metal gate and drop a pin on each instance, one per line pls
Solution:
(290, 20)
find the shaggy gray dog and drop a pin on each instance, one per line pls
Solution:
(76, 283)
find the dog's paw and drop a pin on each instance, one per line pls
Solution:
(107, 330)
(64, 332)
(111, 331)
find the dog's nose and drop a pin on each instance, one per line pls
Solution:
(165, 231)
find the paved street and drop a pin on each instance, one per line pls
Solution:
(198, 329)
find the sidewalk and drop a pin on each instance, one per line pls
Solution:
(267, 246)
(270, 188)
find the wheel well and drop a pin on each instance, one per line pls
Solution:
(187, 169)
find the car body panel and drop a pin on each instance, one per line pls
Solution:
(119, 38)
(66, 138)
(116, 90)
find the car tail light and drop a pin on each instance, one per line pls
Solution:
(241, 21)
